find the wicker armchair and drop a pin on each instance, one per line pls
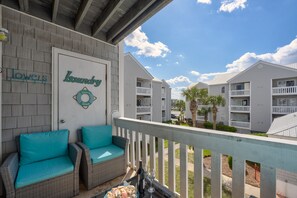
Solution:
(93, 175)
(66, 185)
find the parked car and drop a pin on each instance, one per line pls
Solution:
(173, 116)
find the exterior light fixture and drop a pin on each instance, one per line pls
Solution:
(4, 35)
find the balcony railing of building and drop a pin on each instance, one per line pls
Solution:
(163, 95)
(241, 124)
(240, 108)
(284, 109)
(244, 92)
(143, 91)
(271, 153)
(143, 109)
(163, 107)
(284, 90)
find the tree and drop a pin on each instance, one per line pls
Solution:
(195, 95)
(181, 105)
(215, 101)
(204, 112)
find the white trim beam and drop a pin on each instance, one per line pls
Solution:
(24, 5)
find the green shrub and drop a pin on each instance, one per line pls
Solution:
(230, 162)
(220, 127)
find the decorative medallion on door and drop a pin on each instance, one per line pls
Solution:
(84, 98)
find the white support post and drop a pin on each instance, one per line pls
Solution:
(171, 165)
(216, 174)
(144, 150)
(152, 153)
(138, 149)
(132, 150)
(268, 182)
(238, 177)
(198, 172)
(161, 161)
(184, 170)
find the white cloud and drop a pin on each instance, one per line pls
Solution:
(209, 76)
(177, 62)
(283, 55)
(180, 56)
(147, 67)
(139, 40)
(204, 1)
(178, 79)
(231, 5)
(176, 93)
(159, 65)
(195, 73)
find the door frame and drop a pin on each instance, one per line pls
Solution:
(55, 82)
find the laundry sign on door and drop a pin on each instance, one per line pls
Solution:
(89, 81)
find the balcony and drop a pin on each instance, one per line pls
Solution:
(163, 95)
(145, 91)
(163, 107)
(284, 109)
(143, 109)
(292, 90)
(271, 153)
(235, 108)
(241, 124)
(244, 92)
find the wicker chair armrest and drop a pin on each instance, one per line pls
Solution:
(9, 170)
(85, 152)
(75, 154)
(120, 142)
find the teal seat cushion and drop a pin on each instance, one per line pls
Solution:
(43, 170)
(103, 154)
(97, 136)
(35, 147)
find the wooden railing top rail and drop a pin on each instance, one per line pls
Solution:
(272, 152)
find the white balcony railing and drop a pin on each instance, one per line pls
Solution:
(240, 108)
(284, 109)
(143, 91)
(271, 153)
(240, 124)
(284, 90)
(240, 92)
(144, 109)
(163, 95)
(163, 107)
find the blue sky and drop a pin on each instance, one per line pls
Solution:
(193, 40)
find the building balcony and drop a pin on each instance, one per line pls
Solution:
(240, 124)
(292, 90)
(144, 109)
(284, 109)
(271, 153)
(163, 107)
(145, 91)
(163, 95)
(234, 108)
(243, 92)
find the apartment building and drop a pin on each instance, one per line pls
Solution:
(255, 96)
(145, 97)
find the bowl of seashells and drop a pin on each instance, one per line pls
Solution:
(128, 191)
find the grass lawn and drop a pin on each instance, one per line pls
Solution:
(259, 134)
(207, 185)
(206, 153)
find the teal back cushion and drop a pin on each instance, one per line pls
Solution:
(36, 147)
(97, 136)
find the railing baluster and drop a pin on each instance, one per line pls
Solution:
(152, 153)
(126, 131)
(122, 132)
(171, 165)
(137, 149)
(238, 177)
(132, 150)
(118, 129)
(268, 182)
(144, 150)
(198, 173)
(184, 170)
(216, 174)
(161, 161)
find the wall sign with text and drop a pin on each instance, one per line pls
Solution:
(18, 75)
(88, 81)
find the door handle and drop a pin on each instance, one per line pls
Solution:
(62, 121)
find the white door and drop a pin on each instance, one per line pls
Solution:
(82, 93)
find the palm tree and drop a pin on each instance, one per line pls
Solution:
(204, 112)
(181, 105)
(193, 95)
(215, 101)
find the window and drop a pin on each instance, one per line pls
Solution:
(138, 102)
(285, 83)
(138, 84)
(239, 87)
(290, 83)
(244, 102)
(223, 90)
